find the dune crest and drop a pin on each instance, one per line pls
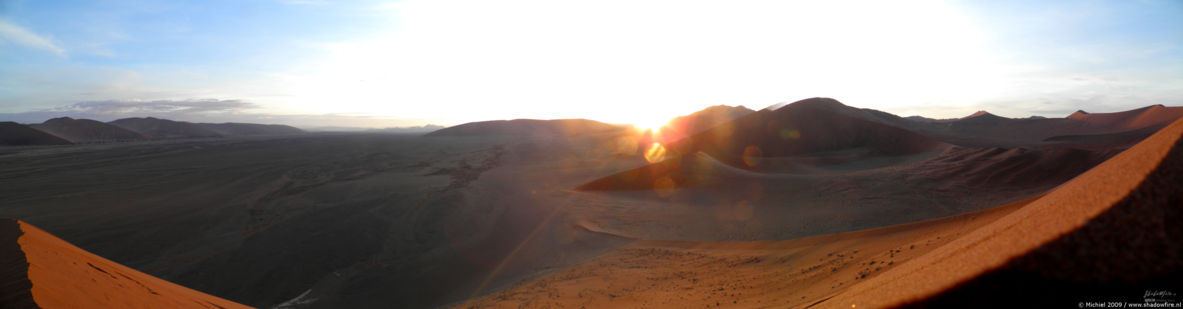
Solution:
(1066, 237)
(44, 271)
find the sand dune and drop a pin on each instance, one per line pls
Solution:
(762, 274)
(381, 220)
(983, 129)
(232, 128)
(1109, 233)
(803, 127)
(41, 270)
(696, 122)
(15, 134)
(1106, 235)
(164, 128)
(86, 130)
(526, 127)
(1131, 119)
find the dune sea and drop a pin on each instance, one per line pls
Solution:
(810, 204)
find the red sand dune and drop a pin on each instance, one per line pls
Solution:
(1107, 235)
(983, 116)
(1019, 167)
(1113, 228)
(40, 270)
(749, 274)
(1132, 119)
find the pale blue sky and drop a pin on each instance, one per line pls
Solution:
(383, 63)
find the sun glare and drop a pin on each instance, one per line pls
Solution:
(649, 125)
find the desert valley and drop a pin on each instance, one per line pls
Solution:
(811, 204)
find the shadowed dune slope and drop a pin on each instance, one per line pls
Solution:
(40, 270)
(15, 288)
(86, 130)
(699, 121)
(808, 126)
(15, 134)
(1111, 232)
(1015, 167)
(527, 127)
(164, 128)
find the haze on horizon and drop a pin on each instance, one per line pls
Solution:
(404, 63)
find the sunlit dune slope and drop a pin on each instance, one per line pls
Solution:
(1132, 119)
(754, 274)
(40, 270)
(1111, 230)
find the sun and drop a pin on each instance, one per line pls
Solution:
(650, 124)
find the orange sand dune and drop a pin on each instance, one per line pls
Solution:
(757, 274)
(1112, 229)
(64, 276)
(1132, 119)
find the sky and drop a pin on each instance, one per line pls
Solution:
(314, 63)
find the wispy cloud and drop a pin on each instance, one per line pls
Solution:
(192, 106)
(13, 34)
(204, 110)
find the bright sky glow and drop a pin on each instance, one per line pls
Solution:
(380, 64)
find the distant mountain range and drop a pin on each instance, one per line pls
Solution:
(66, 130)
(527, 127)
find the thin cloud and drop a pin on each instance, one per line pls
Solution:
(13, 34)
(118, 107)
(206, 110)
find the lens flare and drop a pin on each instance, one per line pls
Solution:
(655, 153)
(752, 155)
(664, 186)
(789, 134)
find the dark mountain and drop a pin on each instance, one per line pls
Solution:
(15, 134)
(811, 126)
(408, 130)
(527, 127)
(86, 130)
(232, 128)
(164, 128)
